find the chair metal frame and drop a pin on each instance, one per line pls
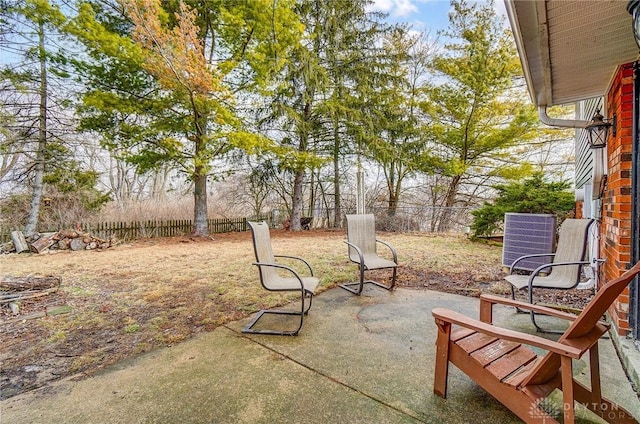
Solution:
(357, 287)
(548, 269)
(265, 261)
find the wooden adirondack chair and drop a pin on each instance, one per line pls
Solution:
(499, 360)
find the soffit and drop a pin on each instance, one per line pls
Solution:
(571, 49)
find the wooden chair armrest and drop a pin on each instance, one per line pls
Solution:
(447, 316)
(487, 298)
(297, 258)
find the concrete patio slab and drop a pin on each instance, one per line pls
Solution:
(358, 359)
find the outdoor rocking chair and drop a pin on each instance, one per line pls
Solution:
(563, 271)
(500, 362)
(361, 238)
(272, 280)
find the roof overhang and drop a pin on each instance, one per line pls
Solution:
(570, 49)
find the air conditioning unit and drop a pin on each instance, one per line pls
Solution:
(528, 234)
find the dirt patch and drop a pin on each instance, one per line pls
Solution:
(135, 297)
(469, 283)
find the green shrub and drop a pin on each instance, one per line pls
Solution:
(532, 195)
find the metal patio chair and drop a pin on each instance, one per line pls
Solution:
(564, 269)
(362, 241)
(272, 279)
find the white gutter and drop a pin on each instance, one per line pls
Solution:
(517, 35)
(555, 122)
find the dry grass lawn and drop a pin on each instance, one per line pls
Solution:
(138, 296)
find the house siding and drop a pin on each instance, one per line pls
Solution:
(584, 155)
(615, 228)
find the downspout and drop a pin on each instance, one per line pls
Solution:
(634, 302)
(555, 122)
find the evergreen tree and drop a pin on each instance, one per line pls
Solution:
(475, 110)
(397, 141)
(318, 104)
(35, 142)
(532, 195)
(168, 75)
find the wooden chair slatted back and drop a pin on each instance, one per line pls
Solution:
(583, 325)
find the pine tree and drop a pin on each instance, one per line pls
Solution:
(476, 114)
(33, 105)
(172, 75)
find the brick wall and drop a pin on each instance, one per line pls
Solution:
(615, 237)
(579, 209)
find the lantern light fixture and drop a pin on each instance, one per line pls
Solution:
(633, 7)
(598, 130)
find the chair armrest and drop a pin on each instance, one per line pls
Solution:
(537, 255)
(447, 316)
(393, 251)
(296, 258)
(495, 300)
(286, 268)
(358, 251)
(553, 265)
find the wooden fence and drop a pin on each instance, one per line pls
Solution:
(149, 229)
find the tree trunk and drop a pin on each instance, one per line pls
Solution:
(38, 183)
(200, 225)
(29, 282)
(296, 211)
(450, 200)
(200, 169)
(19, 242)
(337, 219)
(296, 201)
(392, 206)
(312, 195)
(434, 198)
(393, 186)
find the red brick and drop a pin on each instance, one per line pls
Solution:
(615, 240)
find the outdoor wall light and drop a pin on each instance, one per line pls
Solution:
(598, 130)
